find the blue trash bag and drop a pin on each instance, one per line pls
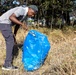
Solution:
(35, 49)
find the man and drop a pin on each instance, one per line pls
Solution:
(14, 15)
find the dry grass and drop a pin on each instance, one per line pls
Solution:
(61, 59)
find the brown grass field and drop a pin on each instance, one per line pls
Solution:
(61, 59)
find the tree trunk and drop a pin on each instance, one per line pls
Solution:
(52, 19)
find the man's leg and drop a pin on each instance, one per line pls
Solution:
(9, 39)
(9, 46)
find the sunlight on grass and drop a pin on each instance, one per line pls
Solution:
(61, 59)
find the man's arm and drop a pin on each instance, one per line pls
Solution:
(15, 20)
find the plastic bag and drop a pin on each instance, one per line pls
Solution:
(35, 49)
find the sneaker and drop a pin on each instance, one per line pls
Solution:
(9, 68)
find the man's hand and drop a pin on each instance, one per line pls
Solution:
(24, 26)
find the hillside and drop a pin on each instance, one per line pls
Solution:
(61, 59)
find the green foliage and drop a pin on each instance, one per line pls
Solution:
(49, 9)
(59, 5)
